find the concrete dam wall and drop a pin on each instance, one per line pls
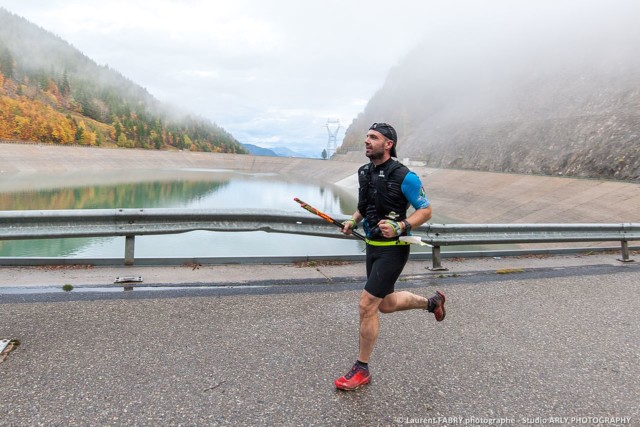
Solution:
(461, 195)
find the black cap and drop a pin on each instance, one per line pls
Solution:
(389, 132)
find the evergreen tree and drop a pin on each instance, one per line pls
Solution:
(79, 134)
(6, 62)
(65, 87)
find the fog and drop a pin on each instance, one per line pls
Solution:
(272, 73)
(520, 59)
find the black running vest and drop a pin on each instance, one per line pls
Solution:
(380, 194)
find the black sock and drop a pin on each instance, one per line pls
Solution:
(362, 364)
(430, 305)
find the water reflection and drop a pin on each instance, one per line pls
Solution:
(205, 189)
(130, 195)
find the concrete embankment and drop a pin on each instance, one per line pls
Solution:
(17, 160)
(462, 196)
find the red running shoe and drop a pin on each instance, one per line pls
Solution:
(436, 306)
(356, 377)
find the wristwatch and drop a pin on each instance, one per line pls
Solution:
(407, 226)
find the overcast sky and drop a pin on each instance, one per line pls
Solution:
(270, 72)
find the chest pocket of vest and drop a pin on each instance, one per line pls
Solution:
(394, 190)
(363, 192)
(390, 191)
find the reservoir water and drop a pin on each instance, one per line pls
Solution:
(183, 188)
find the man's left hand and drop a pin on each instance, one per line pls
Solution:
(390, 228)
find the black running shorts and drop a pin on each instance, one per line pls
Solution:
(384, 265)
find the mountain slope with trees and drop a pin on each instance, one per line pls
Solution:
(542, 99)
(50, 92)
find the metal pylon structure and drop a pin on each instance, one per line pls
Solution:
(333, 130)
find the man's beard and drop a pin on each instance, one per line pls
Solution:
(375, 155)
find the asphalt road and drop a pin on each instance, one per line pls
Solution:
(541, 346)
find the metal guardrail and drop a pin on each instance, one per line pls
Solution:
(487, 234)
(19, 225)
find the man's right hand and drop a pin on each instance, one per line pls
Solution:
(348, 225)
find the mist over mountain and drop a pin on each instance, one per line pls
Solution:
(50, 92)
(274, 152)
(259, 151)
(287, 152)
(551, 90)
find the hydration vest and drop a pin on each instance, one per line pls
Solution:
(380, 194)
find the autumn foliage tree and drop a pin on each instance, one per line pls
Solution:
(50, 92)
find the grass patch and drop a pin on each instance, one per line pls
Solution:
(510, 271)
(67, 288)
(444, 276)
(314, 263)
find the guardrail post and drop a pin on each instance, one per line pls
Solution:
(129, 247)
(625, 252)
(436, 260)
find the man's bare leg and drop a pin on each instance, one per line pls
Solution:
(369, 325)
(403, 300)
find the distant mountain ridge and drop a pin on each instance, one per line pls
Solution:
(274, 152)
(544, 100)
(286, 152)
(50, 92)
(259, 151)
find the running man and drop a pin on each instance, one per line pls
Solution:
(387, 188)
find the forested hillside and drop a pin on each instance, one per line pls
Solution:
(555, 97)
(50, 92)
